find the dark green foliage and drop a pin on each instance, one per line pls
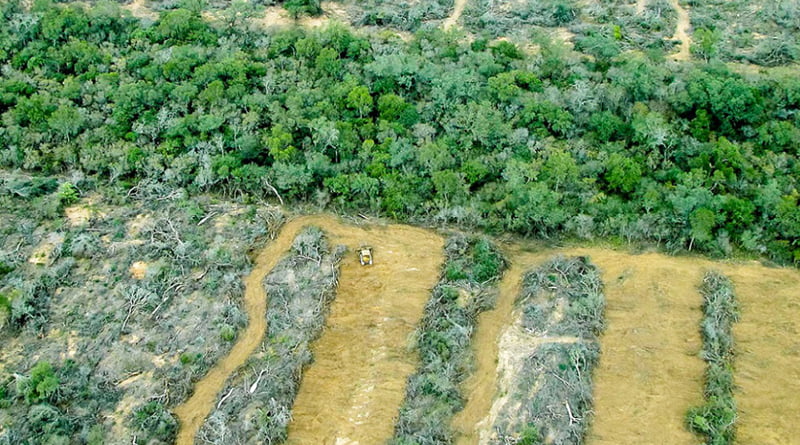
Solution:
(155, 424)
(482, 135)
(465, 289)
(716, 418)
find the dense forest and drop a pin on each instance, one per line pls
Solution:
(542, 140)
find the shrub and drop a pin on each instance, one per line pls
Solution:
(433, 393)
(716, 418)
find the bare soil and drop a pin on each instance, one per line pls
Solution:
(767, 364)
(355, 386)
(682, 32)
(458, 9)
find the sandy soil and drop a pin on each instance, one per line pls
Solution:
(768, 355)
(355, 386)
(650, 371)
(353, 390)
(682, 32)
(458, 9)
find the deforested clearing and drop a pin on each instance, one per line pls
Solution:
(649, 372)
(353, 390)
(767, 364)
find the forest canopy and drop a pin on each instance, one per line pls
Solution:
(482, 133)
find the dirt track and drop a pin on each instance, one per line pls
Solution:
(682, 32)
(458, 9)
(354, 388)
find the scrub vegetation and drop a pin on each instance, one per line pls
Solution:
(111, 311)
(433, 394)
(256, 404)
(548, 355)
(716, 418)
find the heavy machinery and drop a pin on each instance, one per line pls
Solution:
(365, 255)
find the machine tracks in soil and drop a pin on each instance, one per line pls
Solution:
(649, 374)
(354, 388)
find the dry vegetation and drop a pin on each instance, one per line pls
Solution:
(126, 309)
(256, 403)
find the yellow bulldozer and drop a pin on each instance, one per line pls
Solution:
(365, 255)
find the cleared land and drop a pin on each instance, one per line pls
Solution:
(768, 354)
(649, 372)
(355, 386)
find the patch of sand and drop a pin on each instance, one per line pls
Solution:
(138, 270)
(80, 213)
(139, 9)
(682, 33)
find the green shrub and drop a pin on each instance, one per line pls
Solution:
(154, 422)
(40, 386)
(227, 333)
(716, 418)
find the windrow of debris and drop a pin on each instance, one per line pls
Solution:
(716, 417)
(547, 356)
(466, 288)
(255, 406)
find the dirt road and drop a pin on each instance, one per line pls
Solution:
(356, 385)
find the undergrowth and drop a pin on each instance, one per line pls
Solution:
(465, 289)
(716, 418)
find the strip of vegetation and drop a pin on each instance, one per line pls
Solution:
(716, 418)
(255, 406)
(465, 289)
(550, 397)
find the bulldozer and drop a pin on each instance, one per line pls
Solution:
(365, 255)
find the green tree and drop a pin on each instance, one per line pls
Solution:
(41, 385)
(360, 100)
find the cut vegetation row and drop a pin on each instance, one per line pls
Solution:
(716, 418)
(434, 394)
(255, 406)
(547, 356)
